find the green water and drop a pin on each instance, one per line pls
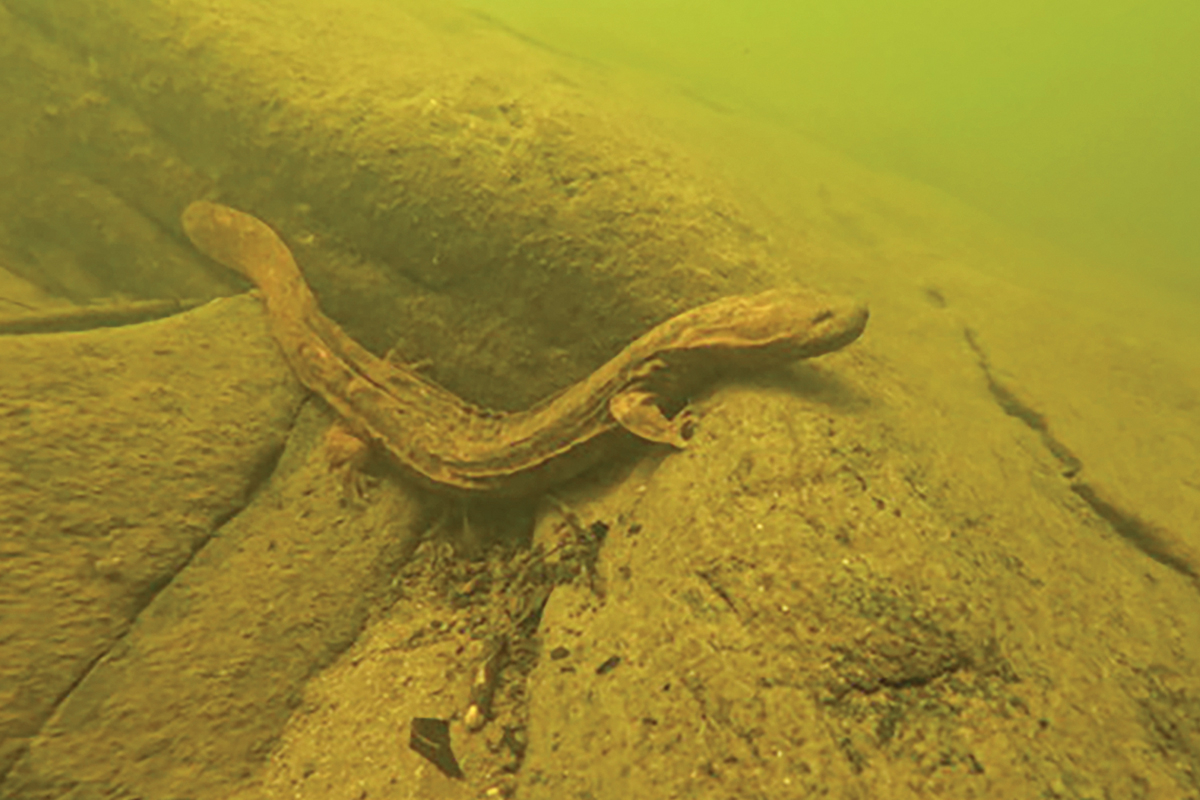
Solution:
(1076, 121)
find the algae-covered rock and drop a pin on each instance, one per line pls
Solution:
(121, 452)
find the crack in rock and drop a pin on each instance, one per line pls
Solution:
(1158, 543)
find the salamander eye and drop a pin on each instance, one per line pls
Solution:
(822, 315)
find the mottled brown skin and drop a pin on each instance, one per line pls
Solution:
(448, 444)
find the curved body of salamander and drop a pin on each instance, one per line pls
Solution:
(449, 444)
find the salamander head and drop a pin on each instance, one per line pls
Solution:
(822, 325)
(775, 326)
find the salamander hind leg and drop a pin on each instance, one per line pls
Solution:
(347, 455)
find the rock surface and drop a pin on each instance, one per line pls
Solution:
(880, 574)
(121, 452)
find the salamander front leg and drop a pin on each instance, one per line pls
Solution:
(638, 411)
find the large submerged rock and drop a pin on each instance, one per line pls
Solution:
(944, 563)
(121, 452)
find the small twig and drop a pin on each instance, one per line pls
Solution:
(84, 318)
(18, 303)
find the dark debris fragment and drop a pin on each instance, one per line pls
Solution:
(431, 739)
